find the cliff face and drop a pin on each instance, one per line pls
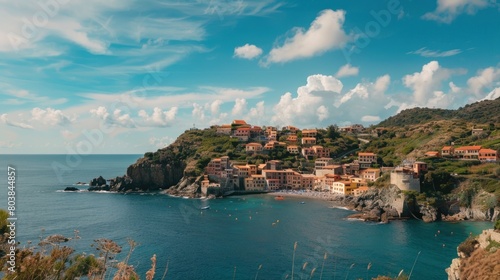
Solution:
(154, 176)
(478, 258)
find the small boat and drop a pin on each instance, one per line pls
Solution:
(279, 197)
(205, 207)
(302, 202)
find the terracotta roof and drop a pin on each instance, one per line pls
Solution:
(254, 144)
(239, 122)
(469, 148)
(446, 148)
(309, 138)
(487, 151)
(366, 154)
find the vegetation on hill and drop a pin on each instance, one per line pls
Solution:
(482, 112)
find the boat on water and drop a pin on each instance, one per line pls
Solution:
(279, 197)
(302, 202)
(205, 207)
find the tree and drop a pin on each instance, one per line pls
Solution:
(332, 131)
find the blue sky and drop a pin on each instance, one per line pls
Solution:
(124, 76)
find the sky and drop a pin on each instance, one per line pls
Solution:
(128, 77)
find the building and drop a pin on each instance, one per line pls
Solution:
(293, 149)
(255, 183)
(274, 165)
(309, 133)
(290, 128)
(242, 133)
(405, 179)
(321, 162)
(488, 155)
(291, 138)
(370, 174)
(253, 147)
(206, 185)
(468, 152)
(361, 190)
(447, 151)
(308, 141)
(477, 131)
(239, 122)
(432, 154)
(224, 129)
(307, 152)
(217, 165)
(273, 135)
(321, 152)
(343, 187)
(329, 170)
(366, 159)
(419, 167)
(355, 128)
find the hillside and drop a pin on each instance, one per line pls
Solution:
(482, 112)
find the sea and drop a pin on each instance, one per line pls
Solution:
(239, 237)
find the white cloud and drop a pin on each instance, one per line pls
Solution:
(117, 118)
(4, 118)
(198, 112)
(240, 106)
(370, 119)
(426, 82)
(50, 116)
(494, 94)
(485, 79)
(430, 53)
(322, 113)
(158, 118)
(448, 10)
(347, 70)
(161, 142)
(215, 107)
(308, 107)
(325, 33)
(454, 88)
(247, 51)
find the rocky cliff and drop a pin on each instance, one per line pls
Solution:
(478, 258)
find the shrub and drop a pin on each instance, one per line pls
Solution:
(468, 246)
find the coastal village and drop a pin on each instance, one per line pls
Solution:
(223, 176)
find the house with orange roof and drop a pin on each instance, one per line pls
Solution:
(365, 159)
(308, 141)
(253, 147)
(290, 128)
(321, 151)
(370, 174)
(309, 132)
(488, 155)
(432, 154)
(307, 152)
(291, 138)
(361, 190)
(293, 149)
(468, 152)
(447, 151)
(239, 122)
(242, 133)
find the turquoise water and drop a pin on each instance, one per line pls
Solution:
(237, 232)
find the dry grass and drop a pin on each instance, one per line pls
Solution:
(481, 265)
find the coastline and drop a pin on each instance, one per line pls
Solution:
(311, 195)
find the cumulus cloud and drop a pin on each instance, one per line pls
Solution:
(50, 116)
(430, 53)
(240, 106)
(5, 119)
(426, 82)
(215, 107)
(158, 118)
(247, 51)
(484, 79)
(370, 119)
(117, 118)
(448, 10)
(161, 142)
(494, 94)
(325, 33)
(308, 106)
(347, 70)
(198, 112)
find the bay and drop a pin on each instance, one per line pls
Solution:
(234, 237)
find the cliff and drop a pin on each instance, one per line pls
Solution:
(478, 258)
(174, 168)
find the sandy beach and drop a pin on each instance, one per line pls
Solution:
(310, 194)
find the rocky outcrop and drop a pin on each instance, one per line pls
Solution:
(478, 258)
(379, 205)
(71, 189)
(188, 187)
(97, 182)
